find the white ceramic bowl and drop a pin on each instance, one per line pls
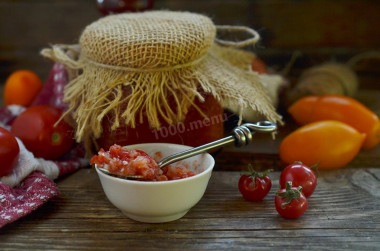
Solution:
(159, 201)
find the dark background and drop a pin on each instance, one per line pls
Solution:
(319, 30)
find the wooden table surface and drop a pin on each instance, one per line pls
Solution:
(343, 213)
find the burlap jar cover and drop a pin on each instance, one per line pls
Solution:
(154, 54)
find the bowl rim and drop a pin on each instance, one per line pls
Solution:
(208, 169)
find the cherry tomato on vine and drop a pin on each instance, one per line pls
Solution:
(9, 152)
(300, 175)
(254, 186)
(290, 202)
(36, 128)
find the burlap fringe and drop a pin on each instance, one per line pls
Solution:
(131, 98)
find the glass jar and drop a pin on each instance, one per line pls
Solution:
(195, 130)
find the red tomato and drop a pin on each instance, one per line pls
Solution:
(35, 127)
(254, 186)
(9, 152)
(290, 202)
(259, 66)
(299, 175)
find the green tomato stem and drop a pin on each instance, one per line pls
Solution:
(253, 174)
(290, 193)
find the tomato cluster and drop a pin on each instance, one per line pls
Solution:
(297, 183)
(40, 127)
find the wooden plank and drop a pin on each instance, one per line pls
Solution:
(342, 212)
(356, 239)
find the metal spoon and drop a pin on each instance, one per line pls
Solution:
(241, 136)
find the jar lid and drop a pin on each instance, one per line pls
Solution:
(148, 40)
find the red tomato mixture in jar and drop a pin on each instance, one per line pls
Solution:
(195, 130)
(136, 162)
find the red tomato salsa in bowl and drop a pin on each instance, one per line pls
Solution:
(127, 162)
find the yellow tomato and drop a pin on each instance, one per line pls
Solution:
(332, 144)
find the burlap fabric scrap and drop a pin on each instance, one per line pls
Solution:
(129, 63)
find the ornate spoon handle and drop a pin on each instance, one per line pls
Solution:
(242, 135)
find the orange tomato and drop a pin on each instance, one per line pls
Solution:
(302, 110)
(22, 87)
(332, 144)
(341, 108)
